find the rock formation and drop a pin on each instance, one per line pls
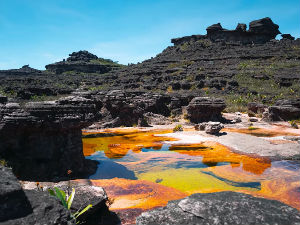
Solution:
(260, 31)
(283, 110)
(202, 109)
(85, 62)
(222, 208)
(42, 140)
(24, 70)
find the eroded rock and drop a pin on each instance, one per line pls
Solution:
(222, 208)
(205, 109)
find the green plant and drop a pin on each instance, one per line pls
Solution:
(177, 128)
(67, 201)
(3, 162)
(252, 128)
(294, 124)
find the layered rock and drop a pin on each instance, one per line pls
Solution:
(283, 110)
(42, 140)
(202, 109)
(222, 208)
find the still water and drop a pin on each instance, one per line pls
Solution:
(140, 170)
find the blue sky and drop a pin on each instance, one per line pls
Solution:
(39, 32)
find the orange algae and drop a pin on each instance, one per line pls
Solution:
(214, 153)
(137, 194)
(125, 140)
(277, 183)
(263, 132)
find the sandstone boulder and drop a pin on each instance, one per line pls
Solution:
(202, 109)
(283, 110)
(42, 140)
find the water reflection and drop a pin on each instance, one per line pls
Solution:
(204, 167)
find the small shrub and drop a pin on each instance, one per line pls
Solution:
(177, 128)
(294, 124)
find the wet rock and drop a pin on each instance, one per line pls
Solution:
(222, 208)
(205, 109)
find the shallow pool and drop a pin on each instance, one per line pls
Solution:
(139, 170)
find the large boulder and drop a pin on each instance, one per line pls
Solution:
(202, 109)
(222, 208)
(283, 110)
(264, 26)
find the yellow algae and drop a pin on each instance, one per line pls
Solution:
(213, 153)
(125, 140)
(189, 180)
(137, 193)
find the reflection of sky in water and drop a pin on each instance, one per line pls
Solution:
(198, 168)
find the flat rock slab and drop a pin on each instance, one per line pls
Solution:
(222, 208)
(259, 146)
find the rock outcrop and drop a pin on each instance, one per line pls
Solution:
(256, 107)
(222, 208)
(85, 194)
(42, 140)
(260, 31)
(24, 70)
(18, 207)
(85, 62)
(202, 109)
(283, 110)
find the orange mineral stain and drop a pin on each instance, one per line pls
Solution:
(264, 132)
(124, 140)
(137, 194)
(214, 153)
